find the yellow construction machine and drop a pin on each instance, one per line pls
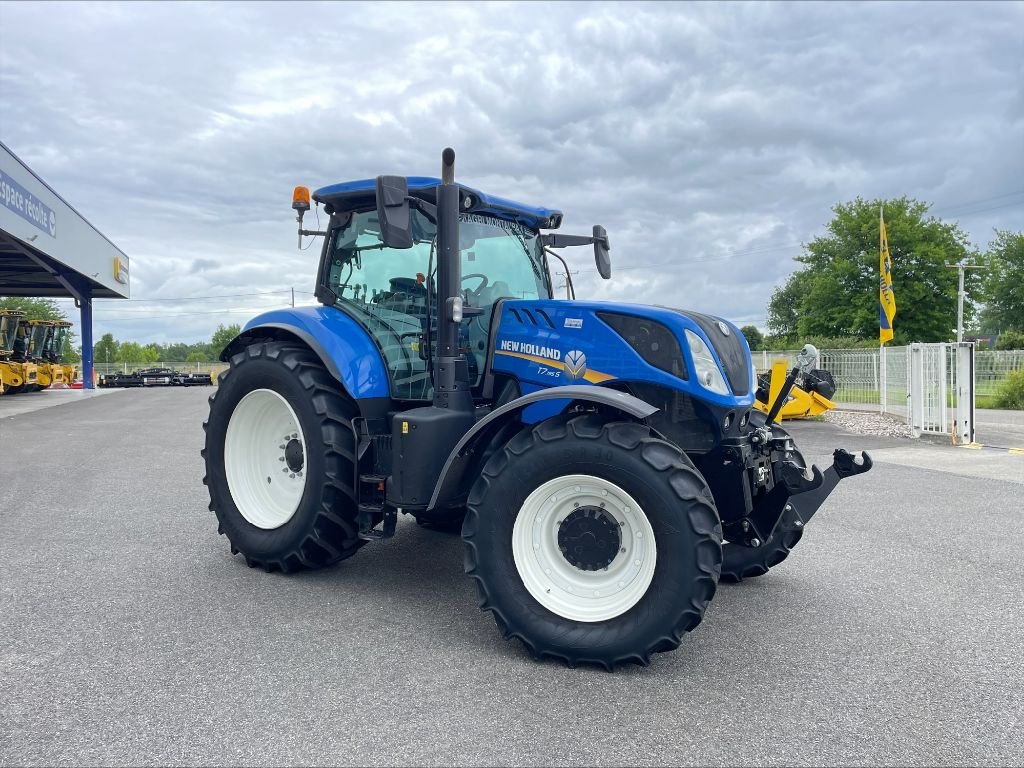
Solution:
(42, 335)
(811, 389)
(61, 334)
(17, 372)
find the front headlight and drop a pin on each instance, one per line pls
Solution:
(708, 373)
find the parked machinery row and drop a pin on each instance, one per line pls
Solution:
(155, 377)
(30, 353)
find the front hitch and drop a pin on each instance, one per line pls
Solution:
(791, 504)
(844, 464)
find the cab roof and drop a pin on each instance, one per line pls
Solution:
(361, 195)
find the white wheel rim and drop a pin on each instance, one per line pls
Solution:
(264, 476)
(560, 586)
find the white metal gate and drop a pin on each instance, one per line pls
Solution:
(942, 390)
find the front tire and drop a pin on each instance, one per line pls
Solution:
(593, 542)
(279, 460)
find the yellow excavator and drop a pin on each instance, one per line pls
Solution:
(17, 372)
(810, 391)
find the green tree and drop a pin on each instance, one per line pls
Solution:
(34, 309)
(1003, 283)
(754, 337)
(105, 350)
(835, 294)
(176, 351)
(197, 356)
(784, 306)
(223, 336)
(130, 352)
(1010, 340)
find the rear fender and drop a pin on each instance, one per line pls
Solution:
(454, 480)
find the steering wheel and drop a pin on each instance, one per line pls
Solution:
(483, 282)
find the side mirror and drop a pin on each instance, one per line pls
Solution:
(393, 212)
(601, 249)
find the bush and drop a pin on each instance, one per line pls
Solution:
(1010, 340)
(1010, 393)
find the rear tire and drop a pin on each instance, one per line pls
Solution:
(305, 515)
(592, 542)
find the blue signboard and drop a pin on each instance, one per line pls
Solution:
(27, 205)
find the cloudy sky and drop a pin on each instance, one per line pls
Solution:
(710, 139)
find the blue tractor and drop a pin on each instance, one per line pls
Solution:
(604, 461)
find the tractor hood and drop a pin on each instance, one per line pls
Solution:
(600, 341)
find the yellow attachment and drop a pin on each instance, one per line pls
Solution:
(300, 199)
(800, 405)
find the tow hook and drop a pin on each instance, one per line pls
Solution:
(809, 499)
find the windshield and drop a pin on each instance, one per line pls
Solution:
(390, 290)
(37, 340)
(8, 331)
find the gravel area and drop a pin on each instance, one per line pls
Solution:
(865, 423)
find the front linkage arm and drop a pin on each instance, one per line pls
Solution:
(791, 504)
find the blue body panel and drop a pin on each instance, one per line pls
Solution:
(540, 356)
(350, 194)
(355, 356)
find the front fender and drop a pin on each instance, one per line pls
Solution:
(450, 482)
(343, 345)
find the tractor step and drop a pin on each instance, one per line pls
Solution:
(366, 516)
(371, 488)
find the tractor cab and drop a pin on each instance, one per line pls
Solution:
(8, 331)
(391, 291)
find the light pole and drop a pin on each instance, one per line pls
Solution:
(960, 266)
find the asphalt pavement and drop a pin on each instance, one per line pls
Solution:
(130, 635)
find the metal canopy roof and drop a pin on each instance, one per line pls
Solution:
(26, 271)
(47, 248)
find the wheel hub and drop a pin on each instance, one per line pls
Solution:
(589, 538)
(293, 455)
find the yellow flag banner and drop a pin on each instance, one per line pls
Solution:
(886, 298)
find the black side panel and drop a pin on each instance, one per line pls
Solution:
(654, 342)
(729, 348)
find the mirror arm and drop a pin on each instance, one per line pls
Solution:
(568, 276)
(564, 241)
(427, 209)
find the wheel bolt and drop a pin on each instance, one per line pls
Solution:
(575, 503)
(755, 542)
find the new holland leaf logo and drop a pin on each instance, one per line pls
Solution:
(575, 364)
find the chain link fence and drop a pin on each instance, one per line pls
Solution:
(861, 374)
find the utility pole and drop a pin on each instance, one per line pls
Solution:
(567, 282)
(960, 296)
(293, 294)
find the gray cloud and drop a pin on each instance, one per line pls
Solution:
(711, 140)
